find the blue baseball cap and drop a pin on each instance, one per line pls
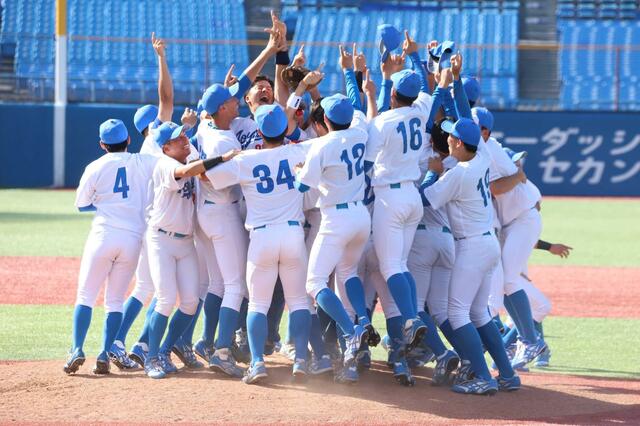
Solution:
(144, 116)
(113, 131)
(471, 88)
(407, 83)
(482, 117)
(464, 129)
(216, 95)
(272, 120)
(199, 108)
(166, 132)
(337, 108)
(515, 156)
(442, 53)
(390, 39)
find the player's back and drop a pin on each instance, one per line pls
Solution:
(397, 141)
(117, 185)
(267, 179)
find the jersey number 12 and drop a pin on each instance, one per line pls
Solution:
(121, 182)
(358, 153)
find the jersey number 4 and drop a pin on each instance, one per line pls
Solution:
(121, 182)
(266, 185)
(414, 140)
(358, 153)
(483, 187)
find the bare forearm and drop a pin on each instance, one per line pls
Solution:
(165, 90)
(505, 184)
(256, 66)
(281, 92)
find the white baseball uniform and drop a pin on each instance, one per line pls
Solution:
(464, 190)
(335, 166)
(172, 256)
(117, 186)
(396, 143)
(246, 131)
(274, 219)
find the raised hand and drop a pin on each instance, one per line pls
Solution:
(158, 45)
(456, 65)
(446, 77)
(314, 77)
(346, 60)
(368, 86)
(281, 28)
(189, 118)
(274, 43)
(409, 45)
(300, 59)
(360, 61)
(230, 79)
(393, 64)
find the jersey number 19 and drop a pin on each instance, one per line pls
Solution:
(483, 187)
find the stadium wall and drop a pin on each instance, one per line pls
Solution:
(569, 153)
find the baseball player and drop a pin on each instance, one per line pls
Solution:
(464, 190)
(521, 226)
(395, 147)
(115, 187)
(172, 257)
(218, 211)
(276, 248)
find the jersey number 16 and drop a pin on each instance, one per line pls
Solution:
(414, 140)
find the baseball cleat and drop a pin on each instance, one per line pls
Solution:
(75, 359)
(464, 372)
(402, 373)
(321, 366)
(300, 369)
(510, 384)
(476, 386)
(386, 342)
(445, 365)
(102, 364)
(543, 358)
(414, 330)
(223, 361)
(185, 354)
(167, 364)
(138, 353)
(288, 350)
(272, 347)
(374, 336)
(363, 360)
(356, 341)
(255, 373)
(204, 350)
(242, 345)
(420, 356)
(527, 352)
(153, 368)
(118, 355)
(349, 372)
(511, 352)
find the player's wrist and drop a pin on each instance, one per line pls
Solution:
(282, 58)
(210, 163)
(294, 100)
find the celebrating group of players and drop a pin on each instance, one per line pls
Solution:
(402, 198)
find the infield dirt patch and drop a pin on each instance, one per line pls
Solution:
(574, 291)
(40, 391)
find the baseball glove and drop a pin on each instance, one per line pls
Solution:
(293, 75)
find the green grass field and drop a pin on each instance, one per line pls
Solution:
(602, 232)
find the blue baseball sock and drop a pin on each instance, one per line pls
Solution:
(132, 308)
(499, 324)
(211, 315)
(447, 330)
(370, 314)
(300, 331)
(242, 319)
(228, 323)
(510, 337)
(431, 338)
(539, 329)
(179, 323)
(187, 336)
(328, 328)
(330, 303)
(157, 326)
(395, 330)
(491, 338)
(469, 341)
(521, 314)
(112, 322)
(355, 293)
(414, 292)
(315, 337)
(257, 335)
(144, 335)
(81, 323)
(274, 315)
(400, 289)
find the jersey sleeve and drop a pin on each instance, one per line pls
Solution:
(165, 175)
(444, 189)
(501, 164)
(148, 163)
(86, 189)
(375, 142)
(423, 102)
(225, 174)
(359, 121)
(311, 172)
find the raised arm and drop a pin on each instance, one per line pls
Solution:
(410, 49)
(351, 84)
(165, 85)
(251, 72)
(394, 63)
(369, 88)
(281, 90)
(461, 102)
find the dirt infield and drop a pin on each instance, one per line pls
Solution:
(575, 291)
(39, 391)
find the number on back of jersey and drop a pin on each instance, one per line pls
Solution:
(483, 187)
(266, 185)
(120, 186)
(358, 153)
(412, 140)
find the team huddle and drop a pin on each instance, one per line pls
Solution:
(328, 205)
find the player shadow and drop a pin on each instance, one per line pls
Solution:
(38, 217)
(578, 371)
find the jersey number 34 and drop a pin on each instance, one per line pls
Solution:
(266, 185)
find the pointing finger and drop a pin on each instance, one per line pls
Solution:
(319, 69)
(341, 50)
(406, 36)
(301, 51)
(355, 50)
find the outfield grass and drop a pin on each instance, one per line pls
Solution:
(583, 346)
(602, 232)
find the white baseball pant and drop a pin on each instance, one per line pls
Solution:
(496, 295)
(209, 274)
(471, 280)
(277, 250)
(143, 289)
(396, 215)
(540, 304)
(174, 271)
(110, 254)
(374, 283)
(518, 240)
(430, 262)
